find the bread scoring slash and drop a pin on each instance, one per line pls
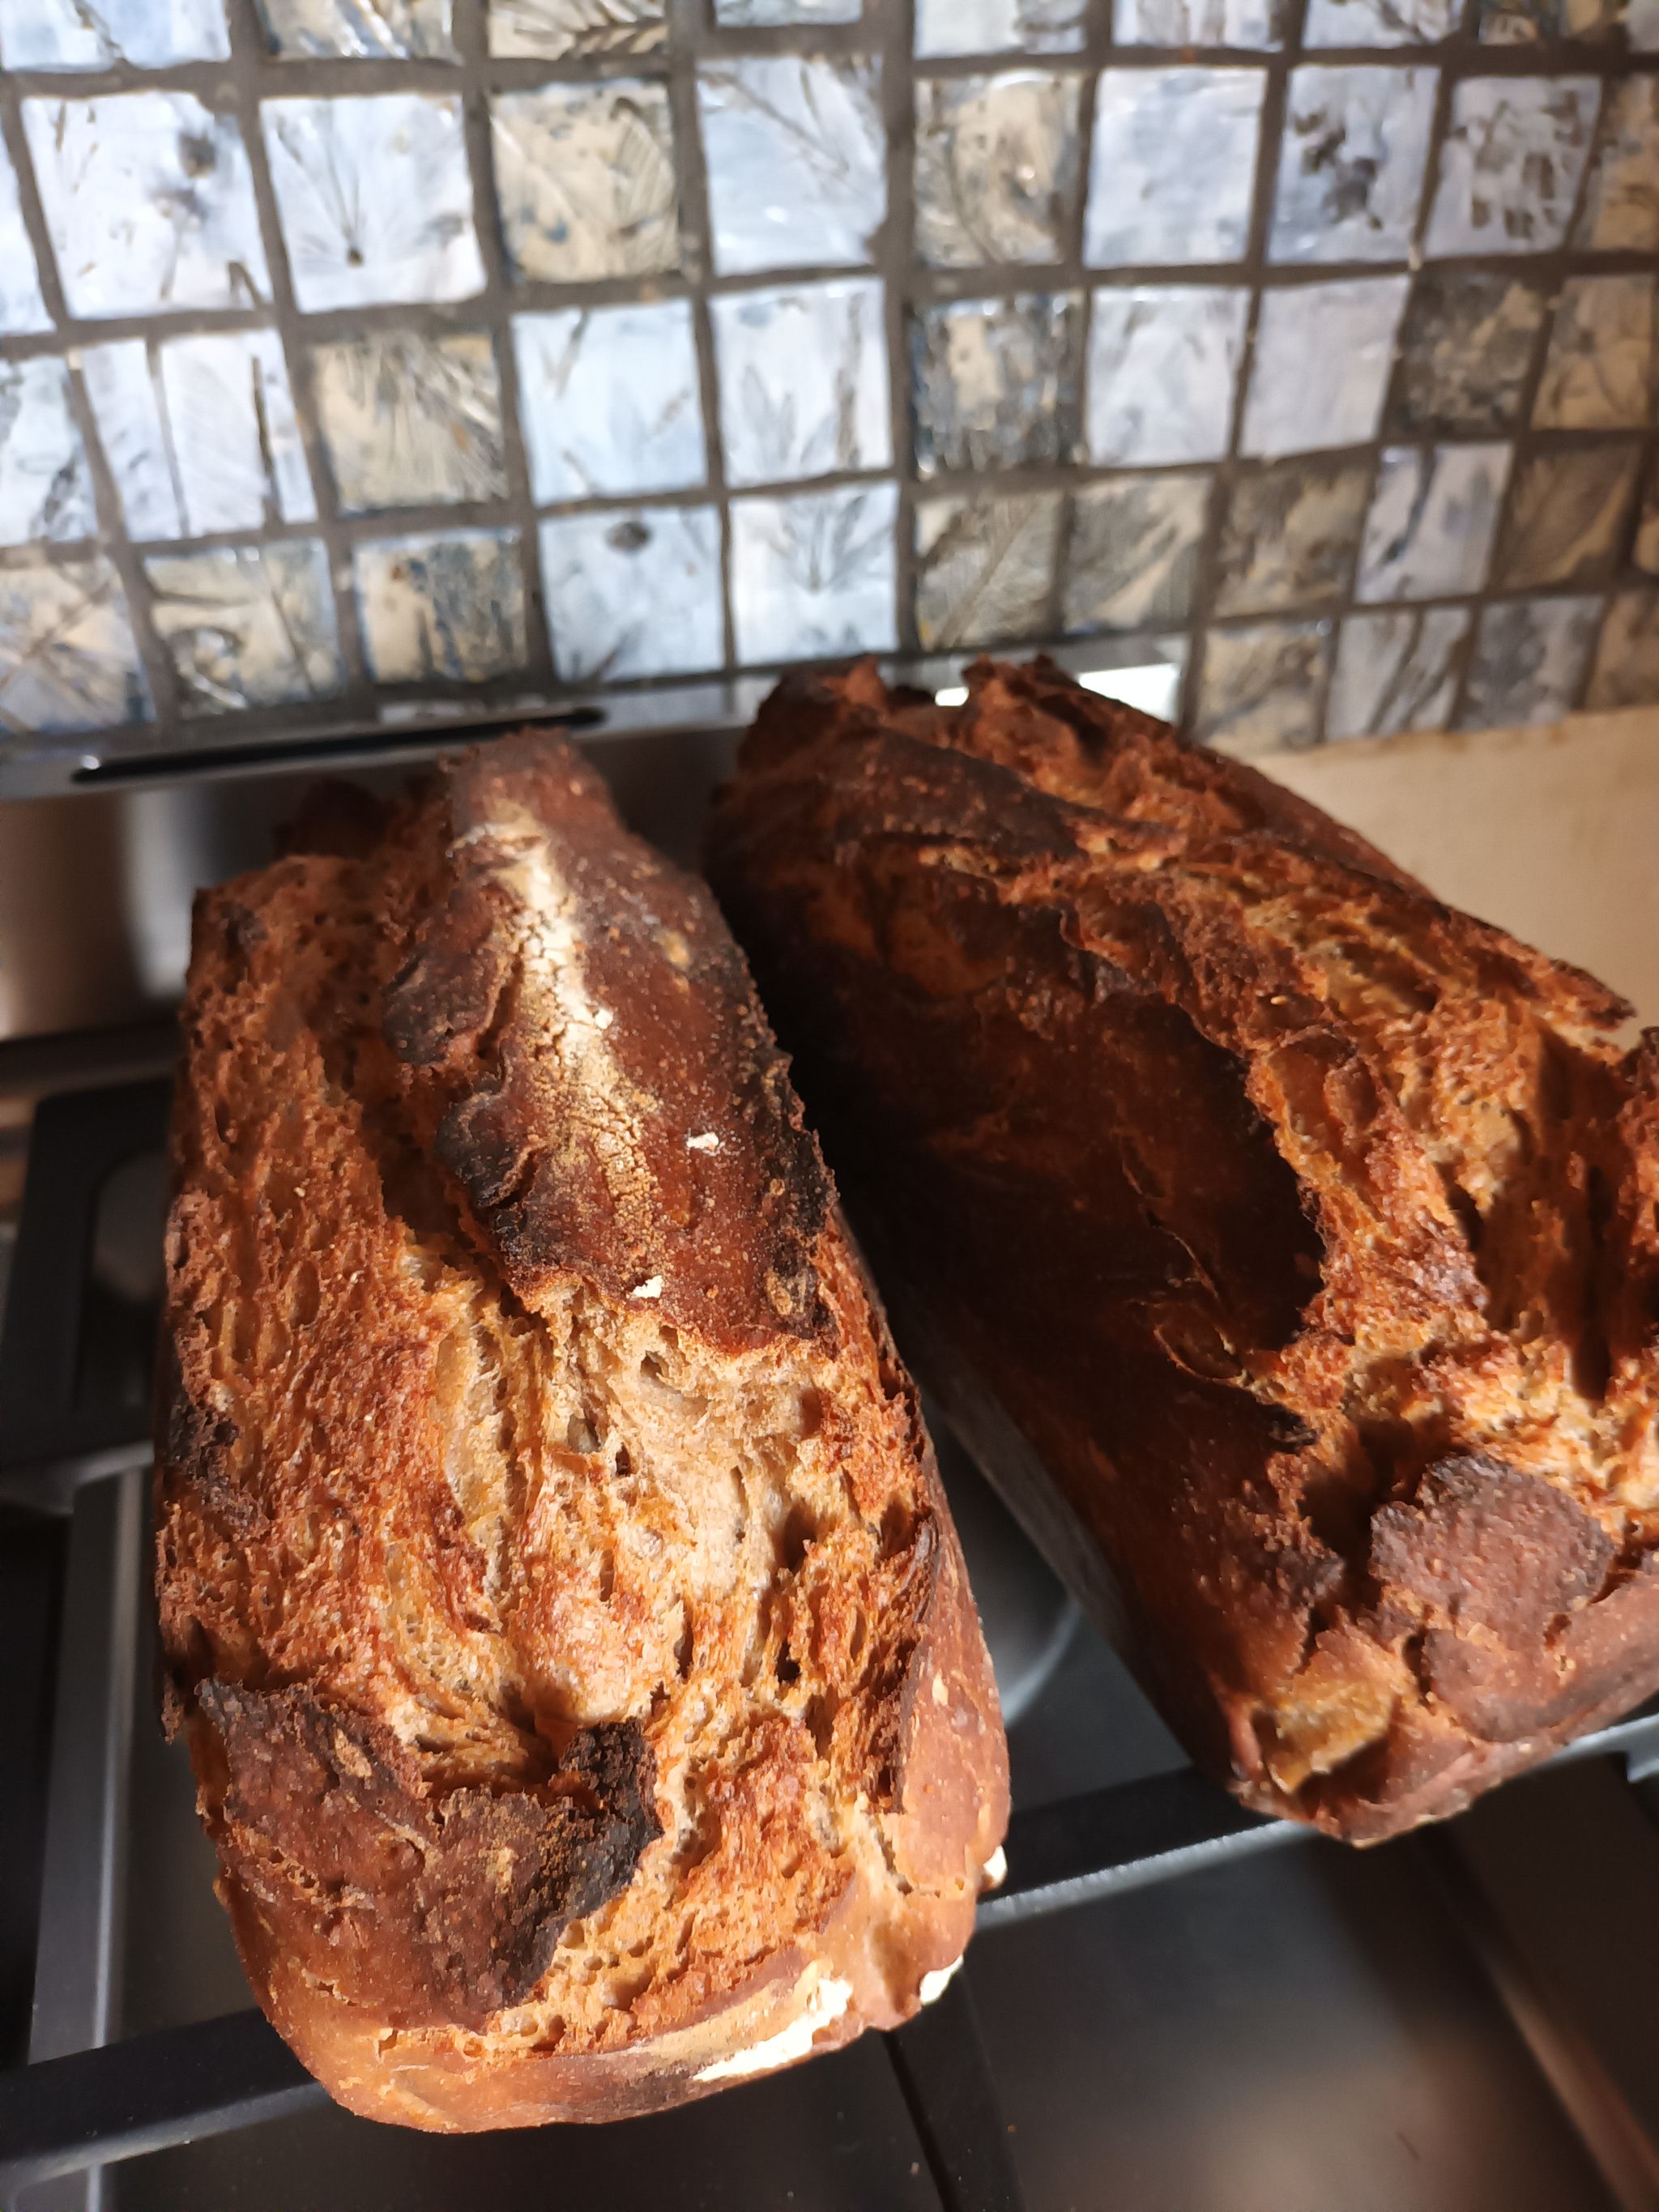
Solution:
(1284, 1241)
(556, 1590)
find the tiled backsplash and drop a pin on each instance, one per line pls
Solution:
(360, 350)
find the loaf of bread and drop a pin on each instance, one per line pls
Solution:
(574, 1650)
(1282, 1240)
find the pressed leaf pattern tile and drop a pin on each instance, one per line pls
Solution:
(813, 575)
(585, 179)
(1430, 531)
(1261, 685)
(1351, 165)
(1174, 164)
(1200, 22)
(988, 27)
(608, 399)
(45, 491)
(68, 657)
(101, 35)
(1323, 355)
(409, 420)
(1626, 672)
(1132, 560)
(1621, 201)
(21, 307)
(1289, 535)
(996, 383)
(359, 30)
(636, 593)
(1567, 515)
(803, 380)
(247, 626)
(1380, 22)
(1600, 371)
(1645, 551)
(446, 605)
(1530, 656)
(1466, 348)
(575, 30)
(767, 15)
(1163, 365)
(996, 167)
(985, 567)
(1397, 672)
(797, 156)
(1510, 169)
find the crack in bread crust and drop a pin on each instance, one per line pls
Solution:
(1298, 1220)
(548, 1543)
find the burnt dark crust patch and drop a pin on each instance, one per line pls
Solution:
(422, 1907)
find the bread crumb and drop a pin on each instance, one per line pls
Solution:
(708, 1142)
(603, 1018)
(652, 1289)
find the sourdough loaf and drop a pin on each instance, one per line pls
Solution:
(555, 1591)
(1285, 1240)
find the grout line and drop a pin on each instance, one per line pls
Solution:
(896, 259)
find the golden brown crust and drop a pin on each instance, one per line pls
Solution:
(549, 1548)
(1303, 1228)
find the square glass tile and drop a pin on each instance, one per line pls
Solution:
(990, 27)
(985, 568)
(45, 489)
(75, 35)
(68, 660)
(247, 626)
(1600, 371)
(149, 202)
(997, 169)
(1567, 515)
(1132, 562)
(636, 593)
(21, 307)
(1288, 537)
(1262, 685)
(1465, 350)
(1433, 518)
(1530, 656)
(1322, 354)
(1200, 22)
(769, 15)
(1397, 672)
(585, 178)
(576, 30)
(444, 605)
(1621, 201)
(199, 433)
(373, 197)
(803, 380)
(1350, 163)
(995, 383)
(797, 159)
(1173, 166)
(1162, 364)
(1514, 152)
(358, 30)
(409, 420)
(1645, 551)
(813, 575)
(1529, 22)
(1381, 22)
(609, 401)
(1627, 660)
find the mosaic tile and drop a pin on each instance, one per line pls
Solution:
(1621, 201)
(387, 30)
(766, 15)
(1351, 164)
(797, 159)
(445, 605)
(150, 203)
(98, 34)
(1289, 535)
(1514, 152)
(199, 433)
(991, 27)
(995, 383)
(1600, 373)
(1173, 165)
(1397, 672)
(1626, 672)
(576, 30)
(68, 661)
(1200, 22)
(1433, 518)
(608, 396)
(803, 380)
(1529, 22)
(1645, 550)
(1381, 22)
(1642, 26)
(585, 179)
(1131, 560)
(1261, 685)
(1162, 364)
(997, 167)
(985, 568)
(373, 197)
(1567, 516)
(409, 420)
(248, 626)
(1322, 354)
(1465, 350)
(634, 594)
(813, 576)
(1529, 660)
(21, 307)
(46, 491)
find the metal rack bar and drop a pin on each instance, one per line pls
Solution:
(946, 2081)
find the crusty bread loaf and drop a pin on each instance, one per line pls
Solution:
(575, 1653)
(1285, 1241)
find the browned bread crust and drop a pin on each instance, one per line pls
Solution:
(1288, 1235)
(556, 1590)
